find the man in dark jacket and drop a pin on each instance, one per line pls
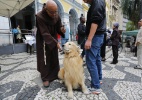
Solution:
(103, 48)
(95, 29)
(48, 25)
(115, 38)
(81, 35)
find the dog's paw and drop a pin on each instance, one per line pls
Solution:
(70, 95)
(86, 92)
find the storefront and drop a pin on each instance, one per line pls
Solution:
(14, 12)
(69, 11)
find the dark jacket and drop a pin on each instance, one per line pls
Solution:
(115, 37)
(97, 15)
(81, 33)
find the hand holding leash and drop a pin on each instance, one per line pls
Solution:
(88, 44)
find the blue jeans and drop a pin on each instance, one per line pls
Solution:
(93, 61)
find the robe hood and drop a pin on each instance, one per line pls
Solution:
(45, 17)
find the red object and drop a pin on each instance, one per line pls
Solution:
(58, 36)
(76, 37)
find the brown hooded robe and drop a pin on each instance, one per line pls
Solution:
(46, 45)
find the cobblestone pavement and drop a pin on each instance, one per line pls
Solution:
(19, 80)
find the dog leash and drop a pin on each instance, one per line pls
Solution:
(82, 41)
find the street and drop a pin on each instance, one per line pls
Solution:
(19, 80)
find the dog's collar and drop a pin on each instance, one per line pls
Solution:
(71, 56)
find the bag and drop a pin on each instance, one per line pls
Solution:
(15, 31)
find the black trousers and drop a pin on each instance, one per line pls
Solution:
(30, 48)
(135, 51)
(103, 50)
(115, 53)
(103, 47)
(14, 38)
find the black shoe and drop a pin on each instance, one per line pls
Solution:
(113, 62)
(137, 67)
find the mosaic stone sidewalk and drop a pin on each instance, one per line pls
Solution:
(19, 80)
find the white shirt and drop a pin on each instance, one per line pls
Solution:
(139, 36)
(29, 39)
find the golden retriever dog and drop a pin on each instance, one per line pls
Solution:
(72, 72)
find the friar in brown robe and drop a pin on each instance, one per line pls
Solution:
(48, 25)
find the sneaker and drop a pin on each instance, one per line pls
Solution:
(95, 91)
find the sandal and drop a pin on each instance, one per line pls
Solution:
(95, 91)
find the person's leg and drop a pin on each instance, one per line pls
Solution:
(115, 60)
(27, 48)
(51, 69)
(92, 67)
(103, 51)
(113, 52)
(15, 40)
(92, 58)
(98, 59)
(136, 51)
(30, 46)
(116, 54)
(99, 65)
(139, 55)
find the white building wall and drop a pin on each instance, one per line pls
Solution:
(121, 20)
(4, 23)
(5, 39)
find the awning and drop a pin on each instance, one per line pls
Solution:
(10, 7)
(131, 33)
